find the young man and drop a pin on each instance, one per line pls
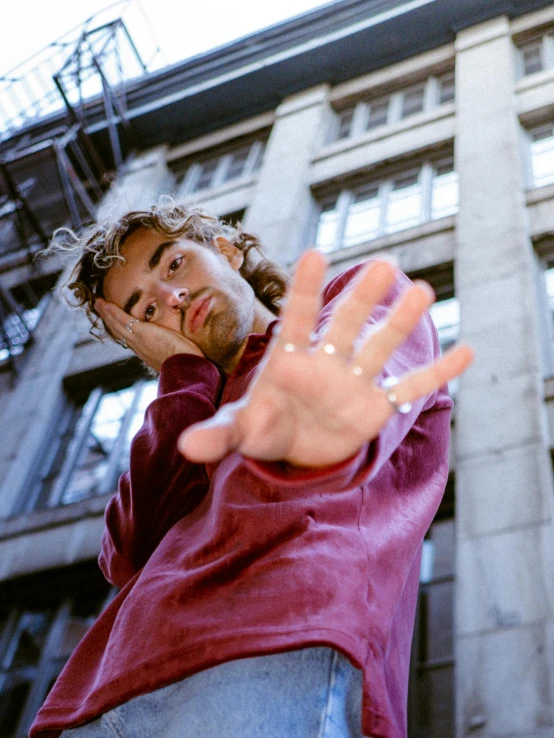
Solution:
(269, 571)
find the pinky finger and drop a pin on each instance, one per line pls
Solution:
(425, 381)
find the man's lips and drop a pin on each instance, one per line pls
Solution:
(197, 313)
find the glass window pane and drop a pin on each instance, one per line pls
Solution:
(345, 118)
(206, 174)
(237, 163)
(326, 234)
(445, 194)
(532, 57)
(148, 392)
(260, 148)
(446, 88)
(85, 608)
(549, 277)
(412, 101)
(404, 207)
(446, 317)
(29, 638)
(13, 337)
(95, 455)
(378, 111)
(364, 216)
(542, 156)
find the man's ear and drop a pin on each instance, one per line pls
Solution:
(234, 255)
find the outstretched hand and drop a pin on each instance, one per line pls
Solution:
(152, 343)
(316, 404)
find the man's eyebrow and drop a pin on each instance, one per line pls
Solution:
(154, 260)
(132, 301)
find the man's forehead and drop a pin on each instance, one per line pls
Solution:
(145, 241)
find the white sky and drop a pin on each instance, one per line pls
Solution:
(183, 27)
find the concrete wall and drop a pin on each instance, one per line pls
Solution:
(505, 595)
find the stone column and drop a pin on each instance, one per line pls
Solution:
(505, 601)
(280, 208)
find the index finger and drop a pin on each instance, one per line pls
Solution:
(303, 301)
(115, 319)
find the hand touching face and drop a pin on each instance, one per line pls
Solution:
(194, 291)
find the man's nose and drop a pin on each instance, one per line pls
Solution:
(175, 297)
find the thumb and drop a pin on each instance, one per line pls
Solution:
(212, 439)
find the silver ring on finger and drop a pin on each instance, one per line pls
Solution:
(129, 325)
(123, 343)
(291, 348)
(331, 350)
(388, 385)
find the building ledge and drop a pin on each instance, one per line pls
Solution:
(419, 120)
(53, 517)
(540, 194)
(384, 243)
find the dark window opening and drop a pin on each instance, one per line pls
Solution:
(21, 308)
(431, 711)
(42, 619)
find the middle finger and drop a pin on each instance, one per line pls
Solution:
(369, 289)
(402, 321)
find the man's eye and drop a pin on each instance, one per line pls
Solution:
(175, 264)
(149, 312)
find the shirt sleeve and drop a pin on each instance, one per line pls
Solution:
(419, 350)
(161, 486)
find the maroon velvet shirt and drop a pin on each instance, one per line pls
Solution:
(240, 558)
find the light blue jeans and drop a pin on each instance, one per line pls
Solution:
(308, 693)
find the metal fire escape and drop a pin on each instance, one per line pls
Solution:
(51, 172)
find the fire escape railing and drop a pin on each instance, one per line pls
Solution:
(51, 172)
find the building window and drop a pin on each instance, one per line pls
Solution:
(446, 317)
(21, 308)
(537, 55)
(431, 694)
(549, 279)
(42, 619)
(542, 154)
(358, 214)
(226, 166)
(412, 101)
(368, 114)
(91, 449)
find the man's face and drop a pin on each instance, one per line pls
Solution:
(187, 287)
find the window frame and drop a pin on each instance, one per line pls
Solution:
(187, 184)
(24, 318)
(361, 109)
(529, 133)
(545, 43)
(62, 453)
(345, 198)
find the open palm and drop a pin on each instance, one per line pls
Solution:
(316, 402)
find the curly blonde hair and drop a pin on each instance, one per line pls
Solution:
(100, 247)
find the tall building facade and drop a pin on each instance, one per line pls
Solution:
(417, 131)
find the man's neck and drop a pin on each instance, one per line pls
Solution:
(262, 318)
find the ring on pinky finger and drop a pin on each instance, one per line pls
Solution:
(388, 384)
